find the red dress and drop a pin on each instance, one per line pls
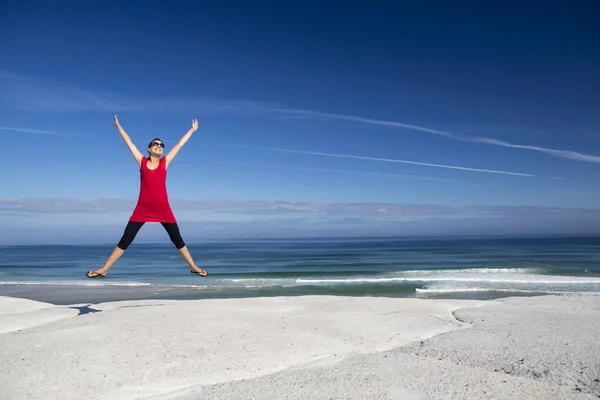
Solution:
(153, 202)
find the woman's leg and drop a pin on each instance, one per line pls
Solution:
(175, 236)
(129, 234)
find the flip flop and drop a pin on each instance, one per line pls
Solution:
(198, 273)
(95, 274)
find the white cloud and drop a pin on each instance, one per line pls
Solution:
(280, 208)
(101, 221)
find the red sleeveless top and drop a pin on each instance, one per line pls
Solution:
(153, 202)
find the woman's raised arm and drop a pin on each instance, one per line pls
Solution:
(134, 151)
(171, 155)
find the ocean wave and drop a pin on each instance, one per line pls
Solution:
(537, 270)
(489, 278)
(528, 270)
(485, 290)
(442, 281)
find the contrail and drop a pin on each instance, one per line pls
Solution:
(381, 159)
(344, 171)
(571, 155)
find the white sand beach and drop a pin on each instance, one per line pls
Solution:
(311, 347)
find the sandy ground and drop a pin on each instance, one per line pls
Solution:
(311, 347)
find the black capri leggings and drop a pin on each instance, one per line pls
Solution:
(133, 228)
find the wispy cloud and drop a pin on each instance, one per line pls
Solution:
(293, 117)
(282, 208)
(390, 160)
(28, 130)
(48, 95)
(571, 155)
(39, 131)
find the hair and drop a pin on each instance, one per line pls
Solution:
(150, 145)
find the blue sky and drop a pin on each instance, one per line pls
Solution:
(325, 119)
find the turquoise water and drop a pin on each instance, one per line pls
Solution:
(424, 268)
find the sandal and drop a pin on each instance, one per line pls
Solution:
(200, 273)
(96, 274)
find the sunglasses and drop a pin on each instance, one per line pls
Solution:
(157, 144)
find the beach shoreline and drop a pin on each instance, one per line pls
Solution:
(102, 292)
(303, 347)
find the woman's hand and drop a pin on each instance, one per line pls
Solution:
(194, 124)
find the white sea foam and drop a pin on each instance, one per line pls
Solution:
(489, 278)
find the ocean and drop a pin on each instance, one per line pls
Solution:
(475, 268)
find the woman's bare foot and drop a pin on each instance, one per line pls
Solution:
(199, 271)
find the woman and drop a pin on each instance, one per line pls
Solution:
(153, 202)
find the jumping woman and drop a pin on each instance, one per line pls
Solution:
(153, 202)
